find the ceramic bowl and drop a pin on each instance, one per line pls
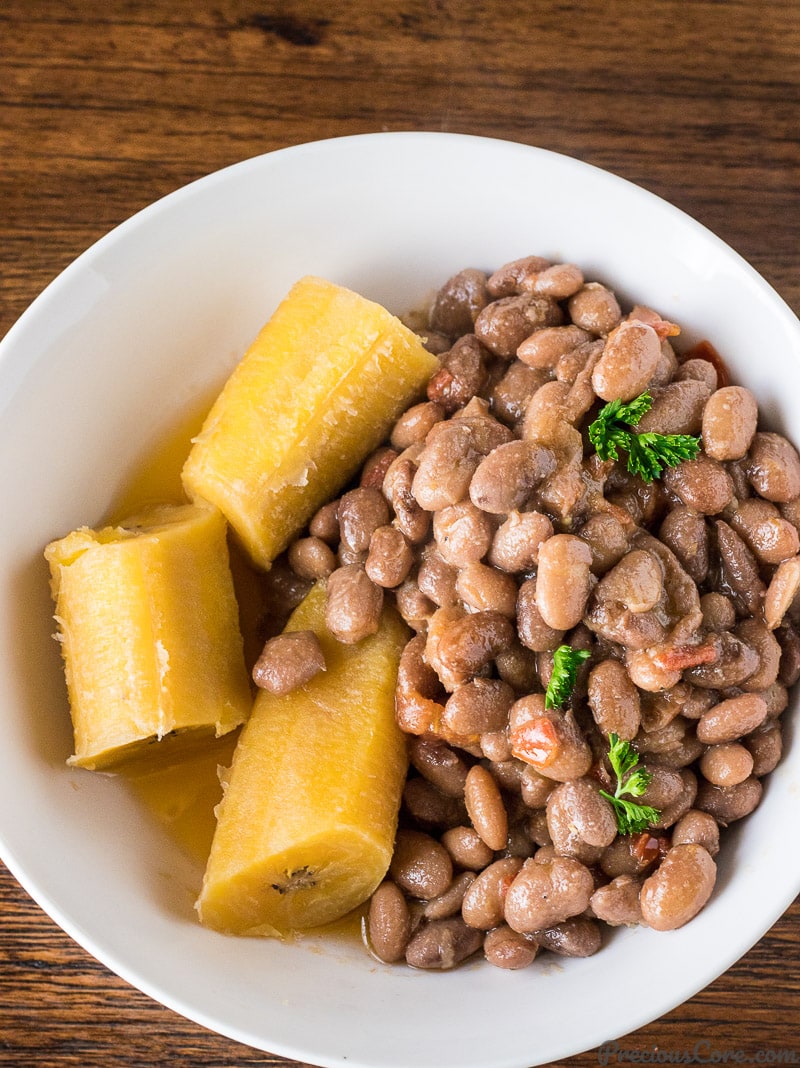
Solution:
(97, 372)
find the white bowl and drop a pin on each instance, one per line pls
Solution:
(94, 374)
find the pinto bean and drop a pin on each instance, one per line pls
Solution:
(510, 397)
(311, 558)
(739, 573)
(443, 944)
(636, 582)
(551, 742)
(727, 764)
(429, 808)
(765, 744)
(452, 452)
(731, 719)
(677, 408)
(388, 923)
(770, 537)
(564, 580)
(439, 764)
(614, 700)
(486, 588)
(412, 604)
(595, 309)
(699, 371)
(485, 807)
(701, 484)
(773, 467)
(449, 903)
(361, 512)
(458, 302)
(781, 592)
(546, 893)
(417, 705)
(617, 903)
(289, 660)
(686, 534)
(466, 848)
(414, 424)
(729, 803)
(504, 324)
(698, 827)
(517, 541)
(679, 888)
(505, 479)
(462, 374)
(353, 604)
(509, 949)
(410, 518)
(559, 280)
(630, 357)
(459, 646)
(729, 423)
(607, 539)
(534, 633)
(462, 532)
(578, 816)
(545, 348)
(758, 636)
(484, 901)
(478, 706)
(734, 662)
(576, 937)
(389, 558)
(507, 280)
(420, 866)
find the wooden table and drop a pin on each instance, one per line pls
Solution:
(109, 104)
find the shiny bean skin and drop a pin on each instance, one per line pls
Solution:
(727, 764)
(510, 397)
(289, 660)
(699, 371)
(578, 815)
(563, 582)
(677, 409)
(546, 893)
(729, 803)
(414, 424)
(729, 423)
(458, 302)
(516, 543)
(617, 903)
(770, 537)
(575, 937)
(361, 512)
(773, 467)
(506, 478)
(409, 516)
(595, 309)
(508, 949)
(758, 636)
(388, 923)
(449, 903)
(420, 866)
(545, 348)
(731, 719)
(484, 901)
(614, 700)
(766, 747)
(311, 558)
(485, 807)
(462, 374)
(698, 827)
(462, 533)
(485, 588)
(636, 582)
(430, 809)
(389, 558)
(551, 742)
(439, 764)
(630, 357)
(460, 645)
(686, 534)
(478, 706)
(507, 279)
(607, 539)
(702, 484)
(679, 888)
(443, 944)
(559, 280)
(505, 323)
(325, 523)
(452, 452)
(534, 633)
(466, 848)
(353, 605)
(782, 591)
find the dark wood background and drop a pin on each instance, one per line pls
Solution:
(106, 105)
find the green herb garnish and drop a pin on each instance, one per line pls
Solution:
(632, 780)
(648, 453)
(566, 662)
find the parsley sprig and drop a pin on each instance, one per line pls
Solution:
(566, 662)
(632, 780)
(648, 453)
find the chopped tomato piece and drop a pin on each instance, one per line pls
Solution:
(536, 742)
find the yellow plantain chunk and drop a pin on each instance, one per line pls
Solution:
(149, 632)
(316, 392)
(306, 827)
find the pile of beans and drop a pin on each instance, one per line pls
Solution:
(500, 535)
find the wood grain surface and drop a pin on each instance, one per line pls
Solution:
(106, 105)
